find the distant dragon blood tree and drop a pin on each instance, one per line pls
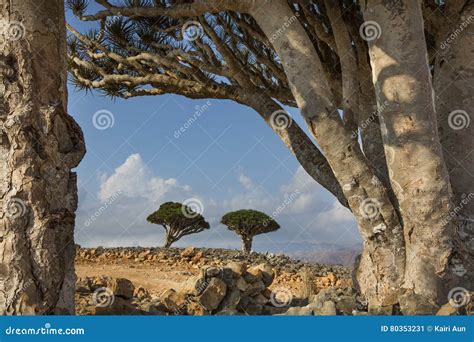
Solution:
(247, 223)
(178, 220)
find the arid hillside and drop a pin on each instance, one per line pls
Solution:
(200, 281)
(155, 271)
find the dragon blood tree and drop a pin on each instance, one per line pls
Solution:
(178, 220)
(247, 223)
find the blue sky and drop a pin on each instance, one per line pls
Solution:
(226, 159)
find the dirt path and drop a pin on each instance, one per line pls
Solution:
(154, 278)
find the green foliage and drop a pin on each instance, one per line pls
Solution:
(178, 217)
(249, 222)
(78, 7)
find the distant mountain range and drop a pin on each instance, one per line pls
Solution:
(325, 253)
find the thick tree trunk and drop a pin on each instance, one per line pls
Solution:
(299, 144)
(247, 244)
(348, 62)
(415, 159)
(453, 82)
(377, 219)
(168, 241)
(40, 145)
(368, 116)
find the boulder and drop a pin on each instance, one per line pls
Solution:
(171, 300)
(227, 312)
(119, 306)
(213, 271)
(250, 278)
(195, 309)
(255, 288)
(251, 308)
(267, 293)
(200, 285)
(378, 310)
(98, 282)
(238, 268)
(263, 272)
(328, 309)
(198, 256)
(270, 310)
(121, 287)
(155, 308)
(231, 300)
(298, 311)
(213, 294)
(141, 293)
(346, 304)
(260, 299)
(447, 310)
(241, 284)
(332, 294)
(188, 252)
(83, 285)
(332, 278)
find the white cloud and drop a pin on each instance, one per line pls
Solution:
(135, 179)
(305, 211)
(246, 182)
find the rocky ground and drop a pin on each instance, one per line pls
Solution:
(198, 281)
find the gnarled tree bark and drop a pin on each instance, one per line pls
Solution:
(453, 82)
(417, 170)
(246, 243)
(40, 145)
(381, 231)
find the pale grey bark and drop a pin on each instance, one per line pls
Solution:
(454, 88)
(348, 60)
(417, 170)
(40, 145)
(380, 229)
(368, 115)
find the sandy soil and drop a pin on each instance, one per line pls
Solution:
(155, 279)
